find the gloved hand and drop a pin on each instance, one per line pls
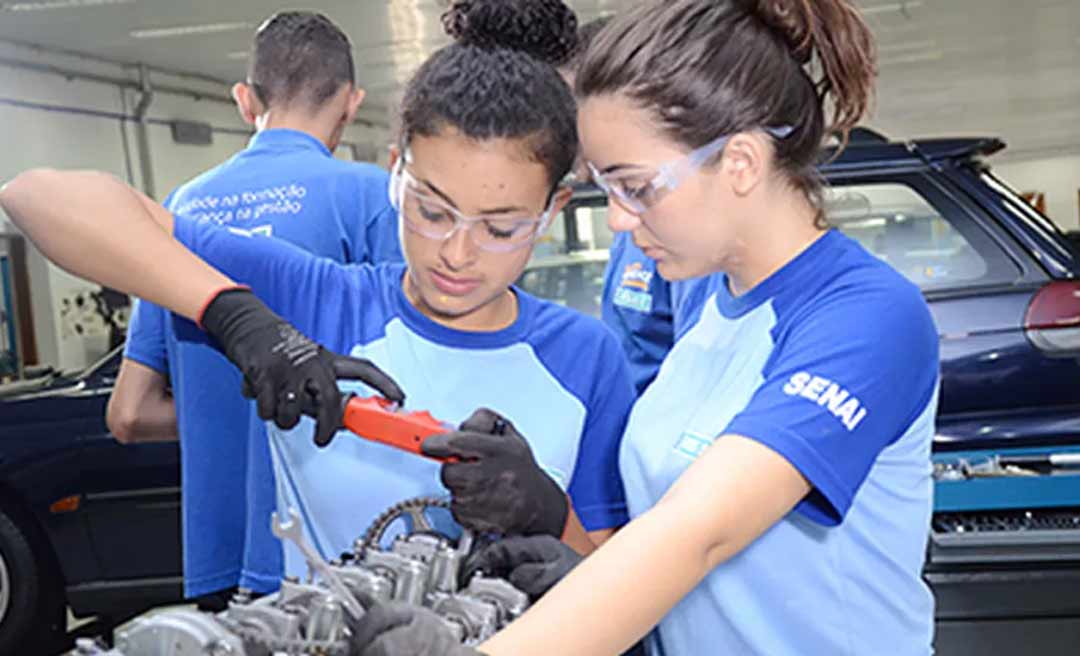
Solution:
(497, 486)
(533, 564)
(400, 630)
(284, 371)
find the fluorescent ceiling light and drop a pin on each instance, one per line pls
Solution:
(901, 7)
(242, 54)
(909, 46)
(867, 223)
(913, 58)
(59, 4)
(188, 30)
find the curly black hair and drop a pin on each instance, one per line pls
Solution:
(498, 81)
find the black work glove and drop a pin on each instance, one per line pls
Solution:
(497, 486)
(284, 371)
(532, 564)
(400, 630)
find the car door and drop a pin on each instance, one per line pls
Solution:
(131, 506)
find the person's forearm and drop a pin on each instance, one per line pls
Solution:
(576, 537)
(600, 537)
(605, 605)
(141, 409)
(155, 421)
(616, 595)
(158, 422)
(98, 228)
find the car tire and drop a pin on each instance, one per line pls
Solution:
(28, 600)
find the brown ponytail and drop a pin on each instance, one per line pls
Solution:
(706, 68)
(835, 33)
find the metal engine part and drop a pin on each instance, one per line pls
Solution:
(420, 567)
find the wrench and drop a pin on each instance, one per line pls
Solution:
(292, 530)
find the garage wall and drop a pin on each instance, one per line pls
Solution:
(50, 120)
(36, 137)
(1057, 177)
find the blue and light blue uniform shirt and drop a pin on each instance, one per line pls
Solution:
(832, 362)
(558, 375)
(285, 184)
(642, 309)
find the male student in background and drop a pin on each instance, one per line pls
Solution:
(300, 94)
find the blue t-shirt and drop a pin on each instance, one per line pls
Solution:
(832, 362)
(642, 309)
(558, 375)
(286, 184)
(151, 347)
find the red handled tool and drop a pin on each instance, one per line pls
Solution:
(377, 419)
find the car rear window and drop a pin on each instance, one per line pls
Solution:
(934, 244)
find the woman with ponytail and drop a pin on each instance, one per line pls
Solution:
(777, 470)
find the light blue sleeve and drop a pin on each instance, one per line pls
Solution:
(848, 379)
(146, 337)
(687, 299)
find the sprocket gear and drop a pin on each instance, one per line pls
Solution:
(414, 509)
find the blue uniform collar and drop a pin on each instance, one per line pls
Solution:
(799, 270)
(283, 138)
(436, 332)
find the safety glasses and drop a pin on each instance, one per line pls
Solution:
(429, 215)
(639, 190)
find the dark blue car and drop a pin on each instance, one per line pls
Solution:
(85, 521)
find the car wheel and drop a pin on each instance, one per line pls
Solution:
(26, 598)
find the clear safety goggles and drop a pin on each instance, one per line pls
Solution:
(638, 190)
(431, 216)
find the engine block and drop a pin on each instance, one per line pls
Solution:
(419, 567)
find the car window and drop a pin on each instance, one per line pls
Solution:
(592, 225)
(552, 242)
(567, 267)
(905, 220)
(574, 282)
(923, 240)
(1050, 231)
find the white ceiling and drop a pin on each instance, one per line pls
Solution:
(948, 67)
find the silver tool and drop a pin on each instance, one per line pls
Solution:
(292, 530)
